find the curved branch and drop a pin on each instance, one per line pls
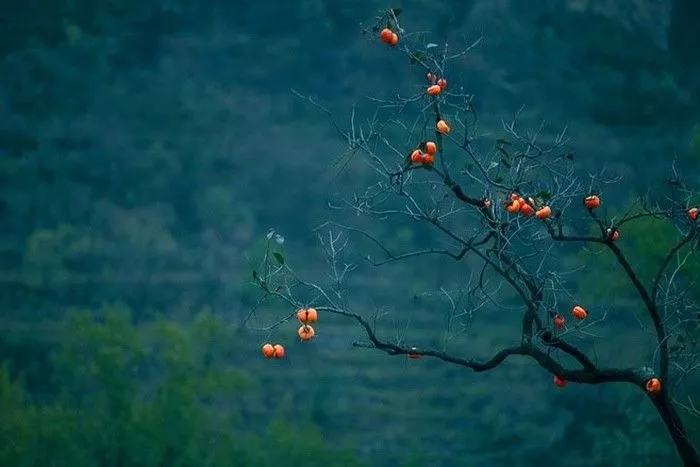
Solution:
(647, 299)
(667, 260)
(588, 375)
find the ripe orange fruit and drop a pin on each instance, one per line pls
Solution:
(443, 127)
(653, 385)
(693, 214)
(526, 210)
(591, 202)
(579, 312)
(279, 351)
(543, 213)
(386, 35)
(442, 82)
(430, 147)
(513, 207)
(306, 332)
(559, 381)
(559, 321)
(428, 159)
(268, 351)
(394, 39)
(307, 315)
(413, 355)
(416, 156)
(434, 90)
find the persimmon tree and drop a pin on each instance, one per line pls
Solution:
(511, 210)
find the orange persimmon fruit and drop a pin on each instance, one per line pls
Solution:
(433, 90)
(526, 209)
(279, 351)
(428, 159)
(543, 213)
(430, 147)
(591, 202)
(443, 127)
(386, 35)
(442, 82)
(416, 156)
(559, 381)
(307, 315)
(268, 350)
(513, 207)
(693, 214)
(394, 39)
(559, 321)
(306, 332)
(578, 312)
(653, 385)
(413, 354)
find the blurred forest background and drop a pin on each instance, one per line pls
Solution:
(147, 147)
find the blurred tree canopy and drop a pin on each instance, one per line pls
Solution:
(159, 395)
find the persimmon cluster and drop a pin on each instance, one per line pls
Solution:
(519, 205)
(436, 86)
(389, 37)
(425, 154)
(306, 316)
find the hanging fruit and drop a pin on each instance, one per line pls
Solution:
(433, 90)
(579, 313)
(443, 127)
(591, 202)
(653, 385)
(559, 381)
(543, 213)
(559, 321)
(306, 332)
(307, 315)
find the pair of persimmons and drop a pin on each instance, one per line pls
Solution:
(306, 317)
(577, 311)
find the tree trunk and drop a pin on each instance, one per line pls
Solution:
(686, 451)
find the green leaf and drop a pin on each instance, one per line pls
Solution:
(278, 256)
(543, 195)
(418, 57)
